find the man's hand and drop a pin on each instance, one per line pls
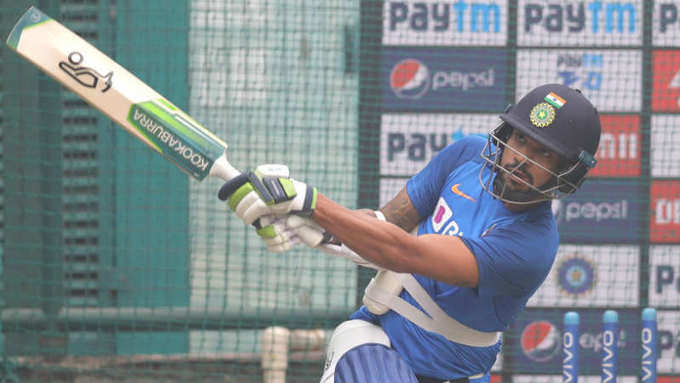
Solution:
(285, 232)
(268, 191)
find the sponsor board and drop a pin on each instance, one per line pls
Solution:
(558, 379)
(666, 23)
(665, 81)
(668, 331)
(389, 187)
(452, 23)
(591, 276)
(599, 74)
(539, 347)
(664, 276)
(601, 211)
(665, 141)
(665, 212)
(409, 141)
(620, 147)
(579, 23)
(444, 79)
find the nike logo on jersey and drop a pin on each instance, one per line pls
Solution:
(457, 191)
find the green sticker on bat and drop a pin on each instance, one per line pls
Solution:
(30, 19)
(175, 135)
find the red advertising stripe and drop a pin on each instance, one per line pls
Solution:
(620, 147)
(665, 211)
(666, 81)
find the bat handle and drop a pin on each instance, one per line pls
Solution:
(223, 169)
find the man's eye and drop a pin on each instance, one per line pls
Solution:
(547, 154)
(521, 139)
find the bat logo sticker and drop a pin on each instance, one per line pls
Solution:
(85, 76)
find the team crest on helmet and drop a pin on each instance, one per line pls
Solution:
(542, 115)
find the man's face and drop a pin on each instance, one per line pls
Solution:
(520, 168)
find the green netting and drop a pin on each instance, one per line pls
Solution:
(118, 267)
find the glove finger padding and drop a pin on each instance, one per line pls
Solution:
(308, 231)
(276, 235)
(251, 207)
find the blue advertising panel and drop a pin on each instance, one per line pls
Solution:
(444, 79)
(538, 348)
(601, 211)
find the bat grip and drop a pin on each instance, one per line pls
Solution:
(223, 169)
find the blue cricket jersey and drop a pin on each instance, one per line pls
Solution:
(514, 253)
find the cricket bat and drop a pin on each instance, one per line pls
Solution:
(120, 95)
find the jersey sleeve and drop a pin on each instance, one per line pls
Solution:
(516, 259)
(424, 187)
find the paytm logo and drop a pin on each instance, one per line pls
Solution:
(581, 70)
(458, 16)
(596, 17)
(669, 339)
(667, 16)
(667, 276)
(420, 146)
(666, 24)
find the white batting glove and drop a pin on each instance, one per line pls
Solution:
(282, 233)
(268, 191)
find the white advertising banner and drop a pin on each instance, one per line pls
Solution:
(664, 276)
(579, 23)
(445, 23)
(591, 276)
(666, 24)
(665, 137)
(611, 79)
(669, 342)
(409, 141)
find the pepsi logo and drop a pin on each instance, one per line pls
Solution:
(410, 79)
(540, 341)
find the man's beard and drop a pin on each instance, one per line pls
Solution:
(506, 191)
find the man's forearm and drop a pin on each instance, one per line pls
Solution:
(379, 242)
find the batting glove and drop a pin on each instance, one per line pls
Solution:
(268, 191)
(285, 232)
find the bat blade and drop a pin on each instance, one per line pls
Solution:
(120, 95)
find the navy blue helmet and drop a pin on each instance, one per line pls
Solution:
(563, 120)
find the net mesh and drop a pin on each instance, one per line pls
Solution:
(117, 267)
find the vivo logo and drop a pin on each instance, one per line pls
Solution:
(647, 354)
(568, 364)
